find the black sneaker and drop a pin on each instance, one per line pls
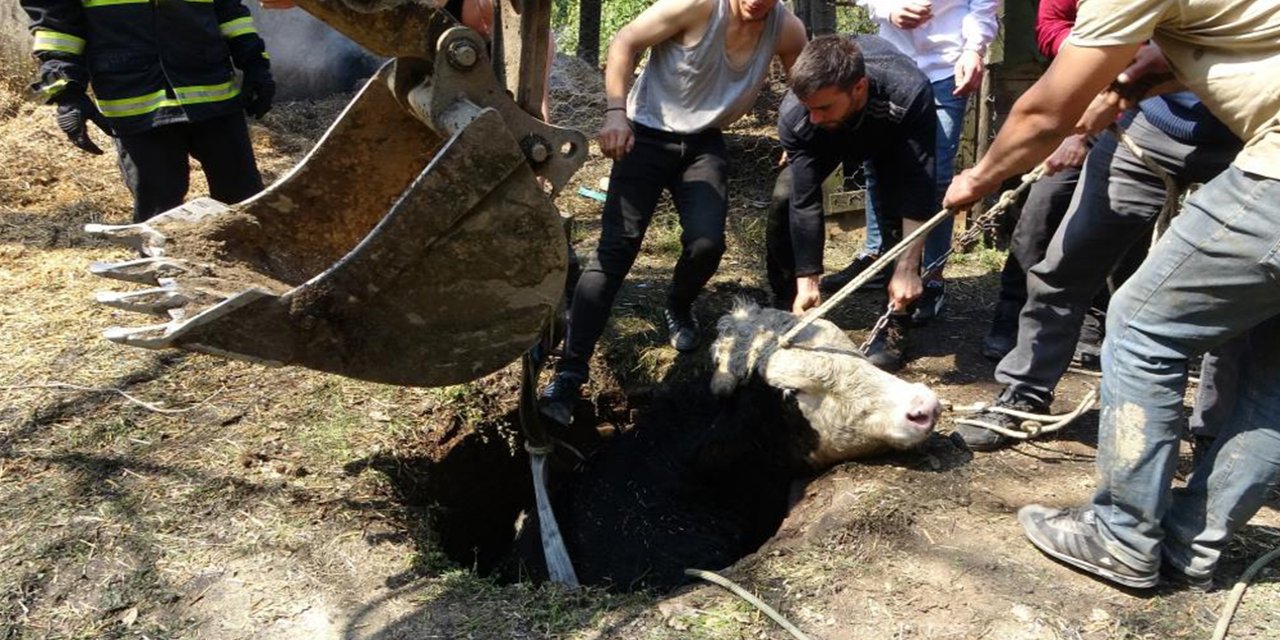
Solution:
(683, 329)
(1200, 446)
(1003, 336)
(558, 398)
(885, 350)
(979, 439)
(1088, 353)
(1071, 536)
(832, 283)
(930, 304)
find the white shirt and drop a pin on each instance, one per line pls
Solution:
(956, 26)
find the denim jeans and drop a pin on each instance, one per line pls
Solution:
(1114, 208)
(694, 168)
(1219, 379)
(950, 124)
(1214, 275)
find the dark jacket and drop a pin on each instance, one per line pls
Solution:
(896, 131)
(149, 62)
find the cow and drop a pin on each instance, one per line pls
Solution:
(703, 479)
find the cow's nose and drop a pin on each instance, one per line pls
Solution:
(923, 409)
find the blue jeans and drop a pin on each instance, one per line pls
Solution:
(1214, 275)
(950, 121)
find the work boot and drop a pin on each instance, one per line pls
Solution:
(885, 350)
(682, 328)
(558, 398)
(1089, 347)
(980, 439)
(1003, 336)
(1071, 536)
(832, 283)
(930, 304)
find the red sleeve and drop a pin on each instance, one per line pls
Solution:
(1053, 24)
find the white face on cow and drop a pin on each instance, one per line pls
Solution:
(855, 408)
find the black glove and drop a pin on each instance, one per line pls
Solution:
(258, 89)
(74, 110)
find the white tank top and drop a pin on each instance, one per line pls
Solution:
(690, 89)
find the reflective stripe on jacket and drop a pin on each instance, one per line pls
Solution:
(149, 62)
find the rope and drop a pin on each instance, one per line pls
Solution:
(155, 407)
(1033, 424)
(539, 443)
(1007, 199)
(715, 578)
(1171, 190)
(1237, 593)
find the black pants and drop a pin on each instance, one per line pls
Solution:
(156, 169)
(694, 169)
(780, 261)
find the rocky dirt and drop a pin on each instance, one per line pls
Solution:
(227, 500)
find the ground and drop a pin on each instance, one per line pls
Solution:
(228, 500)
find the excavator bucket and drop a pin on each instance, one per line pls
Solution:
(415, 245)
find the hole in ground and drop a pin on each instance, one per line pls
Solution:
(696, 482)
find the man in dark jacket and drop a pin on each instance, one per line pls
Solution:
(163, 74)
(852, 100)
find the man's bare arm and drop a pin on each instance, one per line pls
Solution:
(664, 20)
(791, 41)
(1042, 117)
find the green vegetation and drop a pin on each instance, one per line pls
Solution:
(616, 13)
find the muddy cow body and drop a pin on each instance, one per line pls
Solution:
(704, 479)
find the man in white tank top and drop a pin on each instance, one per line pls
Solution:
(707, 62)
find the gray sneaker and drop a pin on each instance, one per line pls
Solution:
(683, 329)
(1071, 536)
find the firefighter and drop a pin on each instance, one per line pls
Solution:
(165, 87)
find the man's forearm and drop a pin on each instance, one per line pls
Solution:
(1048, 112)
(910, 259)
(619, 67)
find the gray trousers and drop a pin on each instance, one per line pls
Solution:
(1114, 207)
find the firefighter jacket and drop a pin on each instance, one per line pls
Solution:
(149, 62)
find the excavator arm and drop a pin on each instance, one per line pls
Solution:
(416, 243)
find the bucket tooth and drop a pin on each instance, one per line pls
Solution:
(140, 237)
(156, 301)
(154, 336)
(143, 270)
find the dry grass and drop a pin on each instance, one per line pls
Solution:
(281, 503)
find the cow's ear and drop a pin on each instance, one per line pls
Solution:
(801, 369)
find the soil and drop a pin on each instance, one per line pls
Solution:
(228, 500)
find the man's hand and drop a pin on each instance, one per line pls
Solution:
(615, 136)
(912, 14)
(807, 294)
(968, 72)
(1071, 153)
(1148, 69)
(1149, 60)
(1100, 113)
(905, 286)
(965, 190)
(75, 110)
(259, 90)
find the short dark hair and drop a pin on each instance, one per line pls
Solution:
(825, 62)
